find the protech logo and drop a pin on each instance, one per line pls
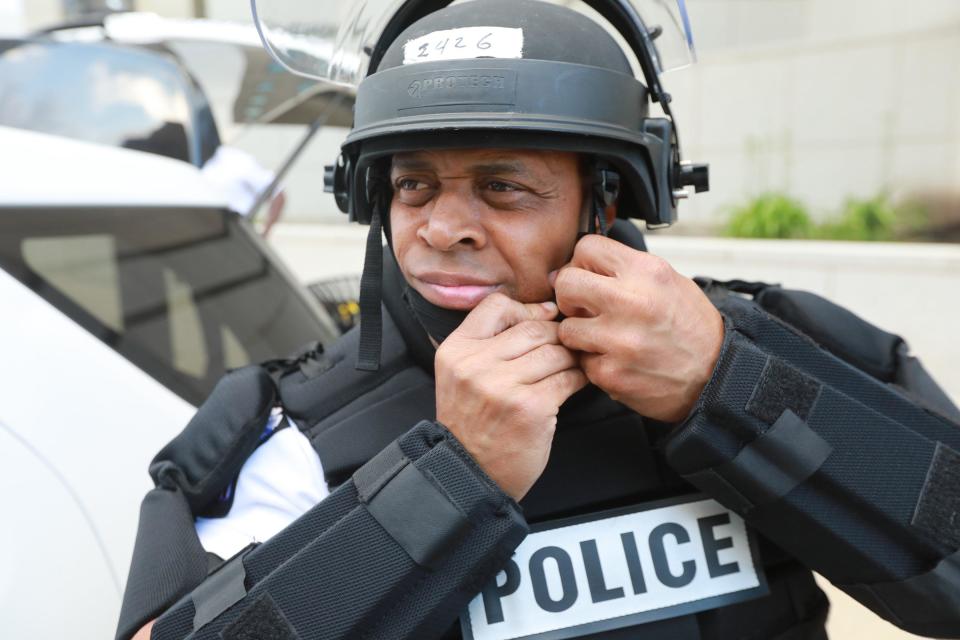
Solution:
(425, 87)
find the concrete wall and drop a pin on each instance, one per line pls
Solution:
(909, 289)
(913, 290)
(821, 99)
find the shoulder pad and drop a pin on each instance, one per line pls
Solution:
(309, 395)
(839, 331)
(206, 456)
(842, 333)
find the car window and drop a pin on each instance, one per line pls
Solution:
(185, 294)
(113, 95)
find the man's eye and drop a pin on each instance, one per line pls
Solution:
(501, 187)
(409, 184)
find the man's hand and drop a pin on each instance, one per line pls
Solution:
(650, 338)
(501, 378)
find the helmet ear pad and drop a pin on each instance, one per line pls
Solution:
(638, 193)
(368, 182)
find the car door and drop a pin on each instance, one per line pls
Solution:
(115, 322)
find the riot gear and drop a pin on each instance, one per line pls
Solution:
(775, 439)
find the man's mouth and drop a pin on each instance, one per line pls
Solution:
(453, 291)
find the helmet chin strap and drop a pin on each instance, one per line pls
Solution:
(604, 191)
(378, 195)
(371, 286)
(437, 321)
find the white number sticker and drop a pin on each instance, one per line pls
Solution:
(465, 43)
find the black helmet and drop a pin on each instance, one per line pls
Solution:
(560, 81)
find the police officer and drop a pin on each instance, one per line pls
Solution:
(529, 323)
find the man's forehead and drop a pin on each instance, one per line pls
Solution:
(507, 160)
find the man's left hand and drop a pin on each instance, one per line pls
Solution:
(649, 337)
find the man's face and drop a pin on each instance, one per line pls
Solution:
(468, 222)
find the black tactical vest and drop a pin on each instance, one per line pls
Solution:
(604, 456)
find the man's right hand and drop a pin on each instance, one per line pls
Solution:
(501, 378)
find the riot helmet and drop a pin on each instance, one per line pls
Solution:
(495, 74)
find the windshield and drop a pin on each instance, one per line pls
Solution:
(331, 40)
(185, 294)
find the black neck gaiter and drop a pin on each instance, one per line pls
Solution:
(437, 321)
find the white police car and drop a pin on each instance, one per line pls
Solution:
(126, 289)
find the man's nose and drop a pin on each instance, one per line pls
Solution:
(453, 221)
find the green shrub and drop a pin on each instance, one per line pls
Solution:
(775, 215)
(770, 215)
(871, 219)
(927, 219)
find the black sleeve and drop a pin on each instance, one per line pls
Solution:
(190, 473)
(850, 473)
(400, 548)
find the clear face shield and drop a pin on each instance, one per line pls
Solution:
(334, 41)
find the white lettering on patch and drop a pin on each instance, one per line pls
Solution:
(620, 570)
(464, 43)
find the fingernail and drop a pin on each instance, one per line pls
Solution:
(552, 277)
(550, 307)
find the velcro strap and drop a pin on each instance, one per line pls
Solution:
(262, 620)
(378, 471)
(768, 468)
(782, 387)
(410, 506)
(221, 590)
(419, 516)
(938, 510)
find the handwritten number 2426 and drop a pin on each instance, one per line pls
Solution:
(458, 43)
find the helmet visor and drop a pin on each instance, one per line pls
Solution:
(668, 24)
(331, 40)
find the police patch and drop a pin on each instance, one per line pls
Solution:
(619, 569)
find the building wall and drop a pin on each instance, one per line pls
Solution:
(821, 99)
